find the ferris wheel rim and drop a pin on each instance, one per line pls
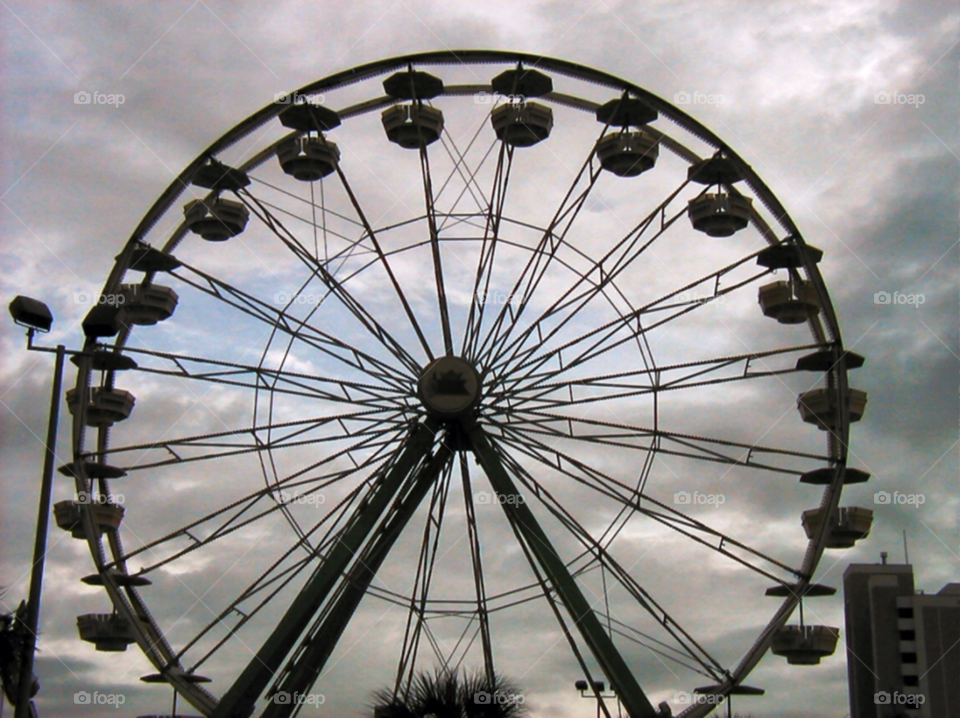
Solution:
(365, 72)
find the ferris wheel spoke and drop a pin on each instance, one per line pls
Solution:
(666, 376)
(435, 249)
(368, 425)
(619, 258)
(643, 598)
(476, 561)
(333, 285)
(660, 648)
(469, 177)
(633, 500)
(541, 399)
(279, 577)
(540, 260)
(626, 328)
(279, 321)
(429, 544)
(603, 649)
(234, 515)
(488, 248)
(386, 265)
(277, 380)
(627, 436)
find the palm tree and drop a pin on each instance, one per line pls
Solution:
(12, 645)
(446, 694)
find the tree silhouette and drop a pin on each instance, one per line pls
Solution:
(447, 694)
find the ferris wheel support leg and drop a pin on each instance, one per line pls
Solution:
(519, 514)
(240, 700)
(323, 639)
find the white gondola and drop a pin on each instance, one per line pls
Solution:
(522, 124)
(819, 406)
(148, 305)
(805, 645)
(216, 220)
(719, 214)
(105, 406)
(412, 125)
(107, 631)
(789, 302)
(308, 159)
(628, 154)
(848, 525)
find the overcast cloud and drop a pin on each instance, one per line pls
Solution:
(873, 184)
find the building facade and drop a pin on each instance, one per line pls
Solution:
(903, 648)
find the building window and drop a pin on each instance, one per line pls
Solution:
(905, 612)
(911, 681)
(908, 635)
(908, 657)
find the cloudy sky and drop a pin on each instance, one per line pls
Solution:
(847, 110)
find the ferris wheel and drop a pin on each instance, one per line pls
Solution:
(463, 359)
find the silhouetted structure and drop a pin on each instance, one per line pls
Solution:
(903, 648)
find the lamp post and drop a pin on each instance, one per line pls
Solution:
(596, 691)
(36, 316)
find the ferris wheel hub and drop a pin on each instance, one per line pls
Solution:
(449, 387)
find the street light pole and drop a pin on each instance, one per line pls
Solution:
(40, 542)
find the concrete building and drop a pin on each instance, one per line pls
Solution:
(903, 647)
